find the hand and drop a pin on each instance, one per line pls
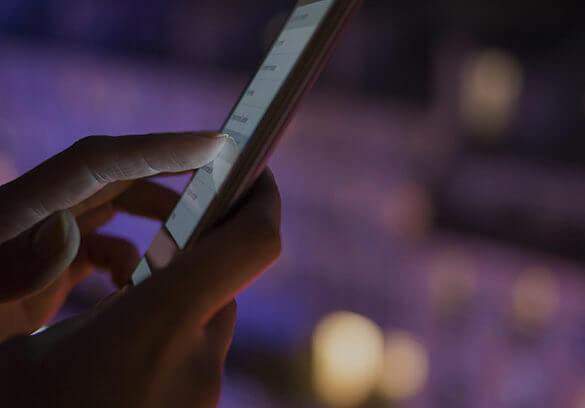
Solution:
(161, 344)
(48, 217)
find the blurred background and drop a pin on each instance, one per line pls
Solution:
(433, 185)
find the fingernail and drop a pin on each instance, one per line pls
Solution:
(50, 238)
(216, 135)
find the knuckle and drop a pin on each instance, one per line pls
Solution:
(89, 149)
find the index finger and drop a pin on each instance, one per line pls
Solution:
(80, 171)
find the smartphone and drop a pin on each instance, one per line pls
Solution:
(254, 126)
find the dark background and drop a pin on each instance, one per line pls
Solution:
(433, 182)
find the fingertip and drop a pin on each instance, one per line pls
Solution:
(212, 135)
(123, 275)
(113, 255)
(217, 139)
(190, 151)
(267, 183)
(267, 172)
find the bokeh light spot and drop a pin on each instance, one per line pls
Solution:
(452, 282)
(535, 298)
(406, 366)
(347, 358)
(491, 85)
(407, 211)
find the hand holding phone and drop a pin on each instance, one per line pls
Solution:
(162, 344)
(253, 128)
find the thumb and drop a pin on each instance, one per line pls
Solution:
(38, 256)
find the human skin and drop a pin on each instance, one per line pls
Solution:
(162, 343)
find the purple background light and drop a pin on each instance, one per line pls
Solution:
(379, 179)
